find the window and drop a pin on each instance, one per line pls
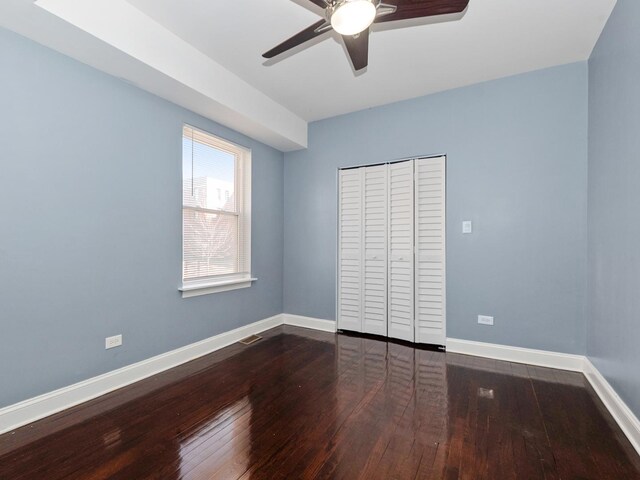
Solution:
(216, 229)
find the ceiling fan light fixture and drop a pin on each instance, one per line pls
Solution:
(351, 17)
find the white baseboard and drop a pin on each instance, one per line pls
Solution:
(33, 409)
(309, 322)
(542, 358)
(619, 410)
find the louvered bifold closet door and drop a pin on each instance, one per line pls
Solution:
(350, 250)
(400, 278)
(374, 319)
(430, 279)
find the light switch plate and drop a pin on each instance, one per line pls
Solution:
(112, 342)
(467, 226)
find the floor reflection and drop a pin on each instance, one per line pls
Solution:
(226, 436)
(398, 406)
(302, 404)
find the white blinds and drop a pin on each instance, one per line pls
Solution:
(215, 201)
(374, 237)
(430, 281)
(350, 260)
(391, 250)
(401, 294)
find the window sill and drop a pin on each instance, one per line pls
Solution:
(215, 286)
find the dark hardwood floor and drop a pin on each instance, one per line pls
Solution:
(305, 404)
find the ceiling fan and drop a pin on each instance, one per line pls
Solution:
(352, 19)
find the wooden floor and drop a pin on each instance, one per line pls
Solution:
(304, 404)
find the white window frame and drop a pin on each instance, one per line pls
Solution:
(225, 282)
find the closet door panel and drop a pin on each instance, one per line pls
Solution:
(430, 281)
(350, 250)
(401, 264)
(375, 208)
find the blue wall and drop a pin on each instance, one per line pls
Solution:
(90, 225)
(516, 166)
(614, 203)
(90, 215)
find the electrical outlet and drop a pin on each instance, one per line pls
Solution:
(485, 320)
(485, 393)
(111, 342)
(467, 226)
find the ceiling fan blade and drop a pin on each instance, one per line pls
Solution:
(305, 35)
(320, 3)
(406, 9)
(358, 48)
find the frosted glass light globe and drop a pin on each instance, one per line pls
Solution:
(353, 17)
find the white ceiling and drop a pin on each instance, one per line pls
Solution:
(495, 38)
(271, 100)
